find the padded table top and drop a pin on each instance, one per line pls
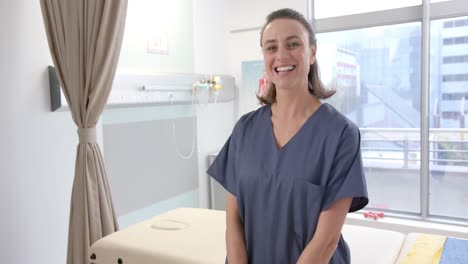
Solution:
(195, 236)
(180, 236)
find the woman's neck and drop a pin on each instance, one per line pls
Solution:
(293, 104)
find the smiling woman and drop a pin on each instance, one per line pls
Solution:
(293, 167)
(286, 53)
(285, 40)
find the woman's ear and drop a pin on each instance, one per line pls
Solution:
(313, 51)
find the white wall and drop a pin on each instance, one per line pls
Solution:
(245, 47)
(211, 36)
(38, 146)
(211, 56)
(147, 19)
(244, 14)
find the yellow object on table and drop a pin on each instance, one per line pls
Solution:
(426, 250)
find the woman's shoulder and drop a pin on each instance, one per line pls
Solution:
(249, 119)
(337, 120)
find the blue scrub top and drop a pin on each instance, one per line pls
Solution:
(281, 192)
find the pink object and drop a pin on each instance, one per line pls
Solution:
(373, 215)
(263, 87)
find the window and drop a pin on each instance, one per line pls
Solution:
(328, 8)
(450, 115)
(454, 96)
(456, 23)
(456, 40)
(448, 137)
(455, 78)
(455, 59)
(386, 61)
(381, 92)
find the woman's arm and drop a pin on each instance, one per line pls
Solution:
(325, 240)
(235, 240)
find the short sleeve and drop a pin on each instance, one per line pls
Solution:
(346, 177)
(223, 168)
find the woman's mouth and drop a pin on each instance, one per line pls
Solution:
(287, 68)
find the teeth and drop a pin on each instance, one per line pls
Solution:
(285, 68)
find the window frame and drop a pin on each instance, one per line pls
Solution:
(439, 10)
(424, 13)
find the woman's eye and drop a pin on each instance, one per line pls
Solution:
(271, 48)
(293, 44)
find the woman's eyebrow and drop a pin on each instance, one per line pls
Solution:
(288, 38)
(292, 37)
(269, 41)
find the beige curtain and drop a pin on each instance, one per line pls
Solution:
(85, 37)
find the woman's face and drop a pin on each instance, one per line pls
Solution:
(287, 54)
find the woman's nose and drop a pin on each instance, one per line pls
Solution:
(282, 53)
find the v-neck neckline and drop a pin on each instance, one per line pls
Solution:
(272, 131)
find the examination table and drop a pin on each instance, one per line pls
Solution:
(196, 236)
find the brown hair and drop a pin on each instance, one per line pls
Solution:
(316, 86)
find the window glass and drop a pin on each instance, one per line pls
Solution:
(334, 8)
(376, 73)
(448, 137)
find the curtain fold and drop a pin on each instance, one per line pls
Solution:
(85, 38)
